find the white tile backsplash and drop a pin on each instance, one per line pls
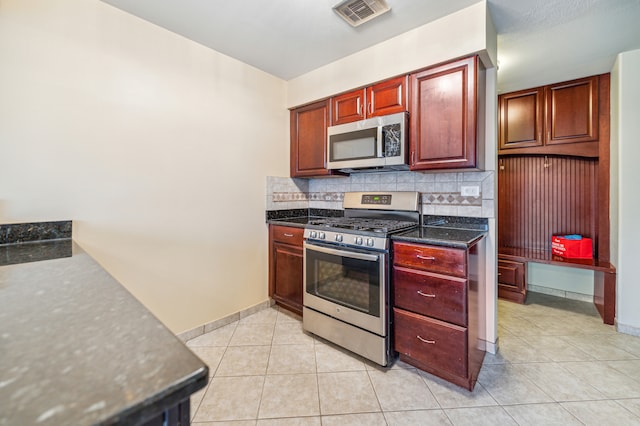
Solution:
(440, 191)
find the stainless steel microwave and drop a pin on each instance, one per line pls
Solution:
(378, 143)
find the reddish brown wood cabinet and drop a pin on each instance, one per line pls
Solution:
(309, 140)
(522, 119)
(285, 266)
(551, 119)
(512, 281)
(386, 97)
(436, 310)
(553, 178)
(349, 107)
(445, 114)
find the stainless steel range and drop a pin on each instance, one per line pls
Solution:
(347, 270)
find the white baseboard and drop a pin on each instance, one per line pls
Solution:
(492, 348)
(627, 329)
(213, 325)
(560, 293)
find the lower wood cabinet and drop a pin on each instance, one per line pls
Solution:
(438, 345)
(512, 282)
(437, 320)
(285, 266)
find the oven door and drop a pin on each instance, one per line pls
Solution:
(347, 284)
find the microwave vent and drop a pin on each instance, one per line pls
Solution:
(357, 12)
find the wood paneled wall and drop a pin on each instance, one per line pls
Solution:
(541, 196)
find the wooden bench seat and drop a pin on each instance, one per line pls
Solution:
(604, 279)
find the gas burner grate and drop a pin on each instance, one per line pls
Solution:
(361, 224)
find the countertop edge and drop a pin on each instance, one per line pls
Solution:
(167, 398)
(453, 243)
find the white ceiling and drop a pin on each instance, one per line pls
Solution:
(539, 41)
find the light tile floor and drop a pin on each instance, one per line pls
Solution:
(557, 365)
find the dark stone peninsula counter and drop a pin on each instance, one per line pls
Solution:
(77, 348)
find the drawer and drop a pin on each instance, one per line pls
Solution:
(437, 296)
(441, 260)
(431, 342)
(286, 234)
(511, 273)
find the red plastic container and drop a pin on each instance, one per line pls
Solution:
(572, 249)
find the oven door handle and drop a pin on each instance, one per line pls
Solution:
(343, 253)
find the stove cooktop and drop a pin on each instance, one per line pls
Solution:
(376, 226)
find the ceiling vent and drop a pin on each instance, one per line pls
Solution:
(357, 12)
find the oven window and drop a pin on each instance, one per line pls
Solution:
(348, 282)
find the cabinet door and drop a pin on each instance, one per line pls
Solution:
(443, 116)
(348, 107)
(309, 140)
(286, 266)
(433, 343)
(572, 111)
(441, 260)
(511, 280)
(521, 119)
(387, 97)
(434, 295)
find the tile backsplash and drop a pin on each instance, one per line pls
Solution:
(441, 192)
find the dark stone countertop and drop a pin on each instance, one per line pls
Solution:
(298, 218)
(34, 251)
(449, 231)
(442, 236)
(294, 222)
(77, 348)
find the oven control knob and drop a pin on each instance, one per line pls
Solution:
(313, 234)
(370, 242)
(358, 241)
(321, 235)
(339, 238)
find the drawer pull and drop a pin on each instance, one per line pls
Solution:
(426, 294)
(431, 342)
(499, 273)
(425, 257)
(288, 235)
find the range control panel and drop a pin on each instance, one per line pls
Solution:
(347, 239)
(377, 199)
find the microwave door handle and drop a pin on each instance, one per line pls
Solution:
(342, 253)
(380, 141)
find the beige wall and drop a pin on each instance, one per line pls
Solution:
(156, 147)
(455, 35)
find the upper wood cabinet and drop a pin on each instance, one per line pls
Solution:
(572, 111)
(521, 118)
(309, 140)
(558, 119)
(444, 116)
(348, 107)
(386, 97)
